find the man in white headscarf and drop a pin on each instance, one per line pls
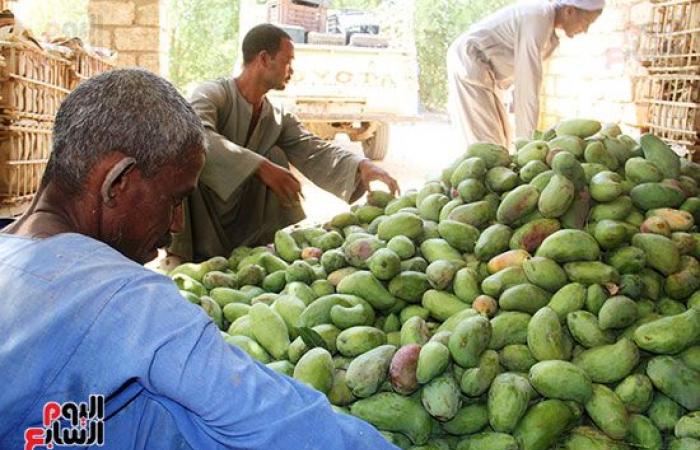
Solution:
(507, 48)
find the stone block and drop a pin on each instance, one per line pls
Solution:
(138, 39)
(125, 59)
(150, 61)
(147, 13)
(112, 12)
(101, 37)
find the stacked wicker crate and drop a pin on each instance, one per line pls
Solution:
(670, 48)
(33, 83)
(307, 14)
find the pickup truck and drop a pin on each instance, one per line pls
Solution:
(353, 88)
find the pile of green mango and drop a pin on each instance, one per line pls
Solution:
(546, 299)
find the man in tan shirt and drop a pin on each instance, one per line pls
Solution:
(246, 191)
(507, 49)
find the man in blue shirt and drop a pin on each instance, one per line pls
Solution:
(95, 349)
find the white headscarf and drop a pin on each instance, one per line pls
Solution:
(588, 5)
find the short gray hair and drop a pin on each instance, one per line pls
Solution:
(128, 110)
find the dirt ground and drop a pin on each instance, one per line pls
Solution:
(417, 151)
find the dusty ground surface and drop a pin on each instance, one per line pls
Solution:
(417, 151)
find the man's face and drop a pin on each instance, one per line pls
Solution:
(280, 69)
(149, 209)
(577, 21)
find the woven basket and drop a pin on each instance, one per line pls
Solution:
(287, 12)
(671, 41)
(24, 152)
(33, 83)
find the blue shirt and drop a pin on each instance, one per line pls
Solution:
(78, 318)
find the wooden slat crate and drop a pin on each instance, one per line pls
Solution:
(673, 102)
(33, 83)
(87, 65)
(24, 151)
(288, 12)
(671, 40)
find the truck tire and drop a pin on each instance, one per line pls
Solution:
(376, 147)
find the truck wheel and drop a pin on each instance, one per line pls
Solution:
(376, 147)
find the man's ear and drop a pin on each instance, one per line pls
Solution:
(116, 179)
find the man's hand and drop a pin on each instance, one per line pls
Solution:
(281, 181)
(370, 172)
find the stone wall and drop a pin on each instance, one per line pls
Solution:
(595, 75)
(131, 27)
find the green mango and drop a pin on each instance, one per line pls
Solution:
(543, 424)
(544, 273)
(530, 170)
(608, 412)
(661, 253)
(545, 336)
(430, 207)
(669, 335)
(449, 206)
(476, 214)
(440, 397)
(609, 363)
(409, 286)
(636, 392)
(493, 155)
(489, 441)
(596, 153)
(316, 369)
(569, 245)
(581, 128)
(469, 168)
(470, 190)
(297, 271)
(627, 259)
(660, 154)
(568, 143)
(269, 330)
(466, 285)
(618, 209)
(517, 203)
(516, 358)
(584, 328)
(688, 426)
(442, 304)
(605, 186)
(415, 264)
(458, 235)
(248, 345)
(540, 181)
(439, 249)
(492, 241)
(590, 438)
(648, 196)
(476, 381)
(400, 224)
(508, 400)
(495, 284)
(568, 299)
(561, 380)
(524, 297)
(469, 419)
(532, 151)
(676, 380)
(469, 339)
(557, 197)
(591, 272)
(617, 312)
(357, 340)
(414, 331)
(394, 412)
(640, 170)
(368, 371)
(365, 285)
(433, 359)
(644, 434)
(664, 412)
(508, 328)
(286, 247)
(501, 179)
